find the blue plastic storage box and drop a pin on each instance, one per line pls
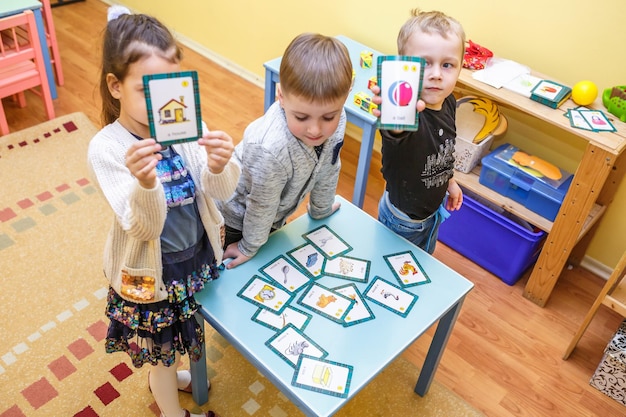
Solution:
(499, 242)
(542, 196)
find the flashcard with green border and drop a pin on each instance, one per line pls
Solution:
(326, 302)
(285, 273)
(173, 103)
(390, 296)
(265, 294)
(323, 376)
(327, 242)
(274, 321)
(360, 311)
(349, 268)
(289, 343)
(406, 269)
(309, 258)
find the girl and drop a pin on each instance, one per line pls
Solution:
(160, 249)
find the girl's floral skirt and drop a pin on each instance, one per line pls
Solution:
(153, 333)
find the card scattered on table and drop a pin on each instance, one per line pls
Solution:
(326, 302)
(289, 343)
(309, 258)
(406, 269)
(323, 376)
(327, 242)
(265, 294)
(349, 268)
(173, 103)
(390, 296)
(285, 273)
(277, 321)
(360, 311)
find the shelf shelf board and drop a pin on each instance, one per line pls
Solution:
(470, 181)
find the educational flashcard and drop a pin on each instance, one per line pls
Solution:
(323, 376)
(285, 273)
(390, 296)
(349, 268)
(577, 120)
(290, 315)
(406, 269)
(597, 120)
(360, 311)
(289, 343)
(265, 294)
(326, 302)
(308, 258)
(327, 242)
(400, 80)
(173, 103)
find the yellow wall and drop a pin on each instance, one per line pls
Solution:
(570, 40)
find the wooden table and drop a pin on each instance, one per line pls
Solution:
(368, 346)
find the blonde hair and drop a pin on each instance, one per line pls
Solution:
(317, 68)
(430, 22)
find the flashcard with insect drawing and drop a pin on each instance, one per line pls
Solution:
(290, 315)
(265, 294)
(327, 242)
(309, 258)
(285, 273)
(173, 103)
(326, 302)
(360, 311)
(390, 296)
(349, 268)
(289, 343)
(323, 376)
(406, 269)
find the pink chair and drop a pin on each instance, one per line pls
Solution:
(51, 37)
(21, 64)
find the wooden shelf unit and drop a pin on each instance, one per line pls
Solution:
(595, 182)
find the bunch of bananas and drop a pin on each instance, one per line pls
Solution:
(494, 124)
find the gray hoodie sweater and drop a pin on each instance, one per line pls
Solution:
(277, 172)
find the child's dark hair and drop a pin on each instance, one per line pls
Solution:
(317, 68)
(127, 39)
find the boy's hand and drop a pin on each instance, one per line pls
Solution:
(377, 99)
(219, 148)
(232, 251)
(141, 160)
(455, 196)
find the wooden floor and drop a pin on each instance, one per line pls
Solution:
(504, 356)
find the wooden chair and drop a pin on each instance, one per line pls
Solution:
(612, 295)
(22, 66)
(51, 37)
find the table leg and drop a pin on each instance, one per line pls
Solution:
(363, 167)
(437, 347)
(45, 52)
(270, 90)
(199, 387)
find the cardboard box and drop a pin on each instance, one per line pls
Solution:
(610, 376)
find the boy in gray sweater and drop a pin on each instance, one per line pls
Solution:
(293, 150)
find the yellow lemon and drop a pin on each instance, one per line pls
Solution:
(584, 93)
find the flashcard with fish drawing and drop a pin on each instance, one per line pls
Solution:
(327, 242)
(360, 311)
(289, 343)
(309, 258)
(406, 269)
(265, 294)
(349, 268)
(326, 302)
(390, 296)
(285, 273)
(291, 315)
(323, 376)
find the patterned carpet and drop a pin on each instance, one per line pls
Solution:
(52, 362)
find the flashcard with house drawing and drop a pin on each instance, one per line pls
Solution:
(173, 104)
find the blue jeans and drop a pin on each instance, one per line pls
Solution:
(422, 233)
